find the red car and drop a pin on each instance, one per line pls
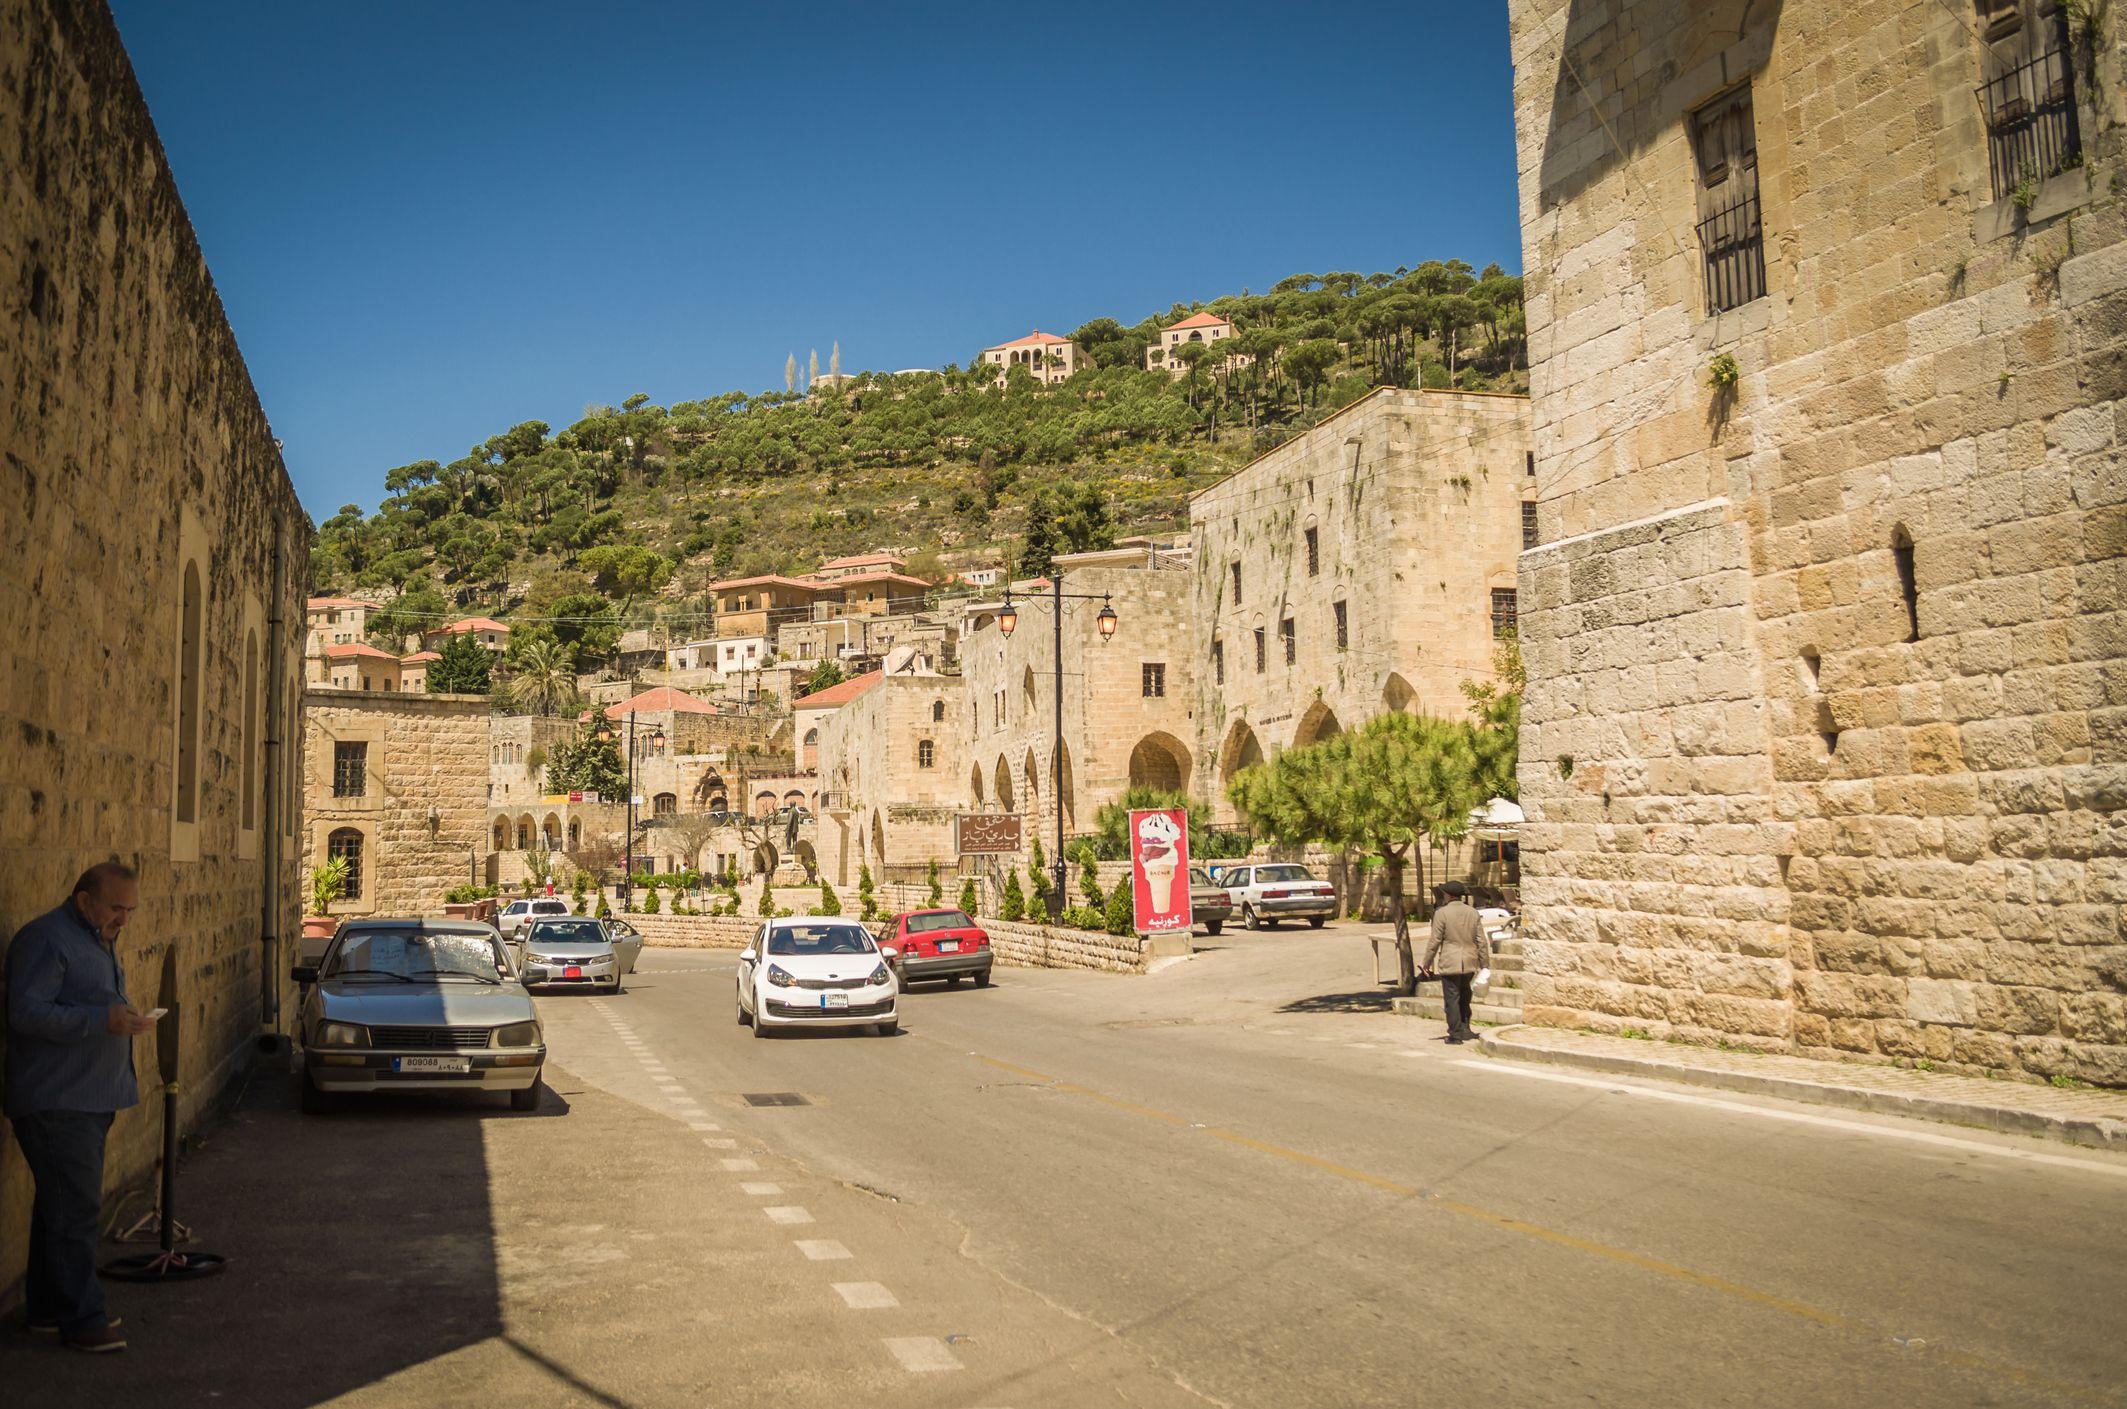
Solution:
(928, 944)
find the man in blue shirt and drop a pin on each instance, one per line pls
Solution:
(70, 1037)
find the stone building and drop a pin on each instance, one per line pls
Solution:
(1367, 565)
(152, 558)
(335, 621)
(1127, 698)
(1196, 328)
(1825, 742)
(891, 777)
(396, 784)
(1047, 357)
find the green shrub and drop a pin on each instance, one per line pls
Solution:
(967, 896)
(651, 904)
(1014, 904)
(603, 909)
(867, 899)
(766, 909)
(1037, 881)
(1084, 917)
(1122, 911)
(938, 890)
(1089, 877)
(830, 904)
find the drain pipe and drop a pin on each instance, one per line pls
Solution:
(272, 814)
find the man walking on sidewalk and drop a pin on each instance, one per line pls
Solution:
(1458, 949)
(70, 1037)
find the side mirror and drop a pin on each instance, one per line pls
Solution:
(304, 973)
(890, 953)
(746, 956)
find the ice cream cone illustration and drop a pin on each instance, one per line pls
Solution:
(1159, 858)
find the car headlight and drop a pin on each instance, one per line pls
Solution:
(877, 975)
(342, 1035)
(525, 1034)
(780, 977)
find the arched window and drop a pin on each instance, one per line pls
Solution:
(937, 711)
(926, 754)
(502, 836)
(524, 836)
(346, 845)
(812, 737)
(251, 707)
(575, 834)
(664, 804)
(189, 650)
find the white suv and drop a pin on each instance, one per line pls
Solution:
(1263, 895)
(519, 913)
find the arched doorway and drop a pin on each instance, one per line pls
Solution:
(502, 835)
(1397, 696)
(551, 831)
(575, 834)
(1319, 723)
(1160, 761)
(1001, 784)
(1033, 776)
(974, 786)
(764, 803)
(1064, 789)
(524, 834)
(878, 839)
(1241, 750)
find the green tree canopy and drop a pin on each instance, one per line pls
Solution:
(464, 669)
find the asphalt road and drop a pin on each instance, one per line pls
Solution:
(1271, 1192)
(1239, 1180)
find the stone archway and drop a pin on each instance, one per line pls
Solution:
(1033, 785)
(1062, 783)
(524, 833)
(974, 786)
(878, 839)
(1319, 723)
(1397, 696)
(1241, 750)
(502, 835)
(1160, 761)
(1001, 785)
(550, 832)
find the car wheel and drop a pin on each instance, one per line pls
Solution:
(314, 1101)
(760, 1029)
(982, 980)
(1316, 922)
(527, 1099)
(745, 1018)
(1214, 926)
(952, 980)
(887, 1029)
(1250, 918)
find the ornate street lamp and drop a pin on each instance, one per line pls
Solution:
(1105, 623)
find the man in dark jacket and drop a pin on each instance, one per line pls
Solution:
(70, 1037)
(1457, 950)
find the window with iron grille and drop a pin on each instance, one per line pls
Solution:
(1532, 464)
(2027, 93)
(350, 769)
(1218, 662)
(1155, 682)
(346, 845)
(1314, 554)
(1731, 235)
(1528, 523)
(1259, 650)
(1285, 634)
(926, 753)
(1343, 636)
(1505, 614)
(1237, 584)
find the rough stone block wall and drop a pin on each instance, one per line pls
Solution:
(1049, 947)
(1836, 651)
(1414, 498)
(424, 752)
(132, 443)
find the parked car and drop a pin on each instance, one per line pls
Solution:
(576, 951)
(1274, 891)
(411, 1004)
(519, 913)
(1209, 903)
(937, 944)
(813, 971)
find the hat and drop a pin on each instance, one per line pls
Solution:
(1455, 888)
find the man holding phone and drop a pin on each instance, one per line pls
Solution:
(70, 1037)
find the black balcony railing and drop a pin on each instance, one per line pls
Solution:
(2031, 128)
(1734, 242)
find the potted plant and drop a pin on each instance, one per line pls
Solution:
(328, 882)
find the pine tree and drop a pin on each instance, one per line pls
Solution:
(937, 890)
(1014, 905)
(1121, 911)
(767, 905)
(967, 896)
(865, 898)
(830, 904)
(790, 372)
(1037, 880)
(651, 904)
(1089, 878)
(812, 369)
(834, 361)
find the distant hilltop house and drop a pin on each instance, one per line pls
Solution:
(335, 621)
(488, 632)
(1205, 328)
(1048, 357)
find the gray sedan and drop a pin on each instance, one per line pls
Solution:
(578, 953)
(417, 1005)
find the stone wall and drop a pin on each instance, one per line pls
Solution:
(1029, 946)
(1825, 742)
(425, 756)
(1414, 500)
(891, 766)
(134, 457)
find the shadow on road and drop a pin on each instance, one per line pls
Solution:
(1374, 1000)
(360, 1243)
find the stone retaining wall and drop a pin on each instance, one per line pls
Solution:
(1030, 946)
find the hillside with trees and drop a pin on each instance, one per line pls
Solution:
(621, 519)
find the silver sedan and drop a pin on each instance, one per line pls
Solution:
(417, 1005)
(578, 953)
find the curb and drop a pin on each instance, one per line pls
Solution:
(2096, 1132)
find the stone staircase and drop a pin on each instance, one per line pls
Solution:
(1497, 1002)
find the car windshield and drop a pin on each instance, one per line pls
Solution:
(414, 954)
(1200, 876)
(939, 920)
(1282, 873)
(568, 932)
(800, 940)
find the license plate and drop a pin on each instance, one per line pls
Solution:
(834, 1000)
(948, 946)
(573, 971)
(458, 1065)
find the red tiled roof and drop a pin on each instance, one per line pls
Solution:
(322, 604)
(835, 696)
(862, 560)
(854, 578)
(347, 649)
(775, 577)
(420, 656)
(1201, 320)
(1037, 337)
(475, 623)
(662, 700)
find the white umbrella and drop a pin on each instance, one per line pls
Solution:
(1497, 819)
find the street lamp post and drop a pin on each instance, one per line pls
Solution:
(1008, 622)
(627, 877)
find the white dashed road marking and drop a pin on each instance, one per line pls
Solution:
(738, 1166)
(787, 1214)
(716, 1144)
(865, 1296)
(921, 1353)
(703, 1125)
(822, 1250)
(760, 1188)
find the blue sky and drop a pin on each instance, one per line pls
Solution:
(431, 221)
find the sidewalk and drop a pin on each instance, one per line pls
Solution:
(2080, 1116)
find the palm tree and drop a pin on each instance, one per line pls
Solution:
(541, 679)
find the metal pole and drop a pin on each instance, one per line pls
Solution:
(1056, 759)
(627, 877)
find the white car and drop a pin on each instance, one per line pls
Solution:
(573, 951)
(1267, 893)
(813, 971)
(518, 913)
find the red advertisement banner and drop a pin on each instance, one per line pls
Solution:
(1159, 871)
